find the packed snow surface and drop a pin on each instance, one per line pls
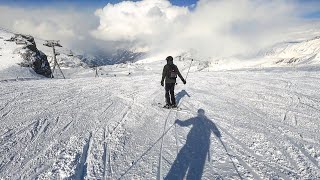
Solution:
(253, 125)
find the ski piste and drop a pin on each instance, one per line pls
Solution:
(65, 128)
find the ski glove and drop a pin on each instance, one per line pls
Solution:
(162, 83)
(184, 81)
(177, 121)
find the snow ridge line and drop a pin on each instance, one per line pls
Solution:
(8, 103)
(106, 152)
(5, 114)
(107, 136)
(19, 79)
(106, 158)
(40, 126)
(123, 119)
(16, 133)
(303, 151)
(81, 169)
(107, 108)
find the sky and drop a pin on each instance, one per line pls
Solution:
(99, 3)
(80, 3)
(215, 28)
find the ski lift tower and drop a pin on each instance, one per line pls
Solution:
(52, 43)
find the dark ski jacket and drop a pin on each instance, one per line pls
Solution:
(165, 73)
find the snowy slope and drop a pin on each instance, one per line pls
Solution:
(72, 64)
(299, 53)
(113, 127)
(9, 59)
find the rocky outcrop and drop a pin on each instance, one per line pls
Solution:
(32, 57)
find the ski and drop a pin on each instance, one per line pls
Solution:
(169, 107)
(177, 109)
(166, 107)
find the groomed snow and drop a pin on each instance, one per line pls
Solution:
(113, 127)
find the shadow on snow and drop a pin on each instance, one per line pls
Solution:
(193, 154)
(180, 95)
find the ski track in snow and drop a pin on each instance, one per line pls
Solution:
(113, 127)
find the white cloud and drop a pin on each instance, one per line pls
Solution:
(213, 27)
(43, 29)
(68, 25)
(136, 21)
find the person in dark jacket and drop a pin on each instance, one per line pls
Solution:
(169, 75)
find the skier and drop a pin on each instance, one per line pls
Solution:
(169, 74)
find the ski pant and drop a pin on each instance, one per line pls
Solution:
(170, 99)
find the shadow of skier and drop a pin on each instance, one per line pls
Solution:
(180, 95)
(192, 155)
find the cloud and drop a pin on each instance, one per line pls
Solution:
(68, 25)
(213, 27)
(140, 21)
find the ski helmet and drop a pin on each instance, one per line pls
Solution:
(201, 112)
(169, 58)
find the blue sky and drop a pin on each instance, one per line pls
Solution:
(79, 3)
(94, 4)
(313, 5)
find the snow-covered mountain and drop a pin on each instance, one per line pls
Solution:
(20, 57)
(17, 62)
(120, 56)
(298, 53)
(303, 54)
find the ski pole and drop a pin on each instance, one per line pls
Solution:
(230, 158)
(189, 69)
(161, 146)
